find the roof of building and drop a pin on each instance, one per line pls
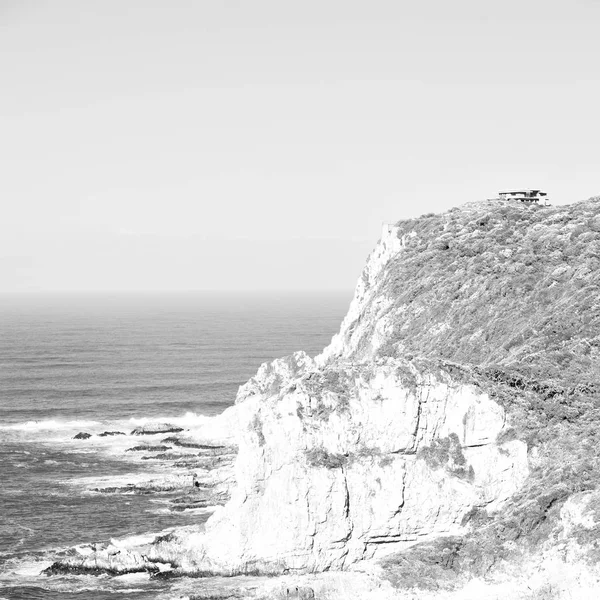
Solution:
(525, 192)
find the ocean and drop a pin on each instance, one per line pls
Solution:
(85, 363)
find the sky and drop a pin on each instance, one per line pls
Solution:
(237, 145)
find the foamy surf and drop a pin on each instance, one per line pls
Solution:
(122, 481)
(116, 434)
(23, 568)
(48, 425)
(105, 365)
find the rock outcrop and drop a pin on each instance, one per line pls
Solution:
(351, 461)
(470, 334)
(488, 283)
(154, 428)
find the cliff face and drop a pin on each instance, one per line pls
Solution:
(492, 283)
(382, 441)
(351, 461)
(460, 398)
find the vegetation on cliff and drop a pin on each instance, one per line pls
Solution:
(501, 283)
(507, 297)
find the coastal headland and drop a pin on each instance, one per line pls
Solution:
(444, 445)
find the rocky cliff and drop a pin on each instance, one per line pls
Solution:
(410, 421)
(458, 401)
(349, 461)
(418, 412)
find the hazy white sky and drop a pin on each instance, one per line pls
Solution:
(221, 144)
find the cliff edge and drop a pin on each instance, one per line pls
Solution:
(448, 429)
(473, 337)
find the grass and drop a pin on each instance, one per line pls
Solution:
(495, 283)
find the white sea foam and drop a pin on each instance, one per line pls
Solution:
(142, 539)
(59, 431)
(211, 426)
(51, 424)
(144, 479)
(187, 420)
(31, 568)
(160, 511)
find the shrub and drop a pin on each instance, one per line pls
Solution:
(447, 453)
(319, 457)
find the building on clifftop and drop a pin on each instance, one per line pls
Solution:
(527, 196)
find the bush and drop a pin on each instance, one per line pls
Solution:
(319, 457)
(446, 453)
(476, 286)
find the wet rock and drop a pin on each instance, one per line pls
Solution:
(154, 428)
(98, 559)
(59, 568)
(130, 488)
(82, 435)
(181, 504)
(148, 449)
(107, 433)
(184, 443)
(171, 456)
(166, 483)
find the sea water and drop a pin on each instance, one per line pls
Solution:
(95, 363)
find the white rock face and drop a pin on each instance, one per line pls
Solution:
(346, 462)
(367, 304)
(350, 457)
(275, 376)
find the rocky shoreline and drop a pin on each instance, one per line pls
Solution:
(387, 468)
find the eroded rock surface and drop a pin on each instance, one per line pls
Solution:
(340, 464)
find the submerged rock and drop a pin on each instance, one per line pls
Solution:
(109, 433)
(82, 435)
(148, 449)
(154, 428)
